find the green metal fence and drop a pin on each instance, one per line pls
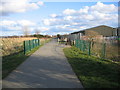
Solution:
(91, 48)
(30, 44)
(84, 46)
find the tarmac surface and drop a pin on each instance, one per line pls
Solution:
(46, 68)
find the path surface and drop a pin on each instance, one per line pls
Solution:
(46, 68)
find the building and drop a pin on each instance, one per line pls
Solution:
(95, 32)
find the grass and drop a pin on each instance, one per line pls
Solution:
(11, 62)
(13, 45)
(93, 72)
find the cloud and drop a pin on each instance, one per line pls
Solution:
(42, 29)
(53, 15)
(86, 17)
(46, 22)
(102, 8)
(26, 23)
(69, 20)
(40, 3)
(11, 33)
(7, 23)
(69, 11)
(17, 6)
(20, 22)
(16, 25)
(54, 21)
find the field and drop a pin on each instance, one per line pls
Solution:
(92, 71)
(11, 61)
(13, 45)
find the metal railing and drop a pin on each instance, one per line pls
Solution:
(30, 44)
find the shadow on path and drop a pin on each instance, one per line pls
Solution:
(46, 68)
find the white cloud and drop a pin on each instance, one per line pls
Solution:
(16, 25)
(7, 23)
(10, 33)
(26, 23)
(53, 15)
(53, 21)
(69, 11)
(84, 10)
(16, 6)
(86, 17)
(15, 28)
(46, 22)
(42, 29)
(103, 8)
(40, 3)
(68, 18)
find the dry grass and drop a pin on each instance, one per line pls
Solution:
(111, 51)
(13, 45)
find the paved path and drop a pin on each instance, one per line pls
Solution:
(46, 68)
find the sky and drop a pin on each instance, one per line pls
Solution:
(51, 18)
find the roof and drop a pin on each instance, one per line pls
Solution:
(103, 30)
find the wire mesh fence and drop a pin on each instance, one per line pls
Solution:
(12, 45)
(9, 46)
(102, 50)
(30, 44)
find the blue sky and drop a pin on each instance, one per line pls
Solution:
(55, 17)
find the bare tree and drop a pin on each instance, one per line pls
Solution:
(37, 31)
(26, 30)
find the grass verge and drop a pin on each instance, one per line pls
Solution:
(11, 62)
(93, 72)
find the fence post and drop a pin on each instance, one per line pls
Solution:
(75, 43)
(38, 41)
(24, 48)
(33, 43)
(104, 50)
(83, 45)
(89, 48)
(29, 45)
(80, 44)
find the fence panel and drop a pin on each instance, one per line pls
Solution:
(112, 51)
(83, 45)
(102, 50)
(30, 44)
(97, 49)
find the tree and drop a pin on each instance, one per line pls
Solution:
(59, 36)
(26, 30)
(37, 31)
